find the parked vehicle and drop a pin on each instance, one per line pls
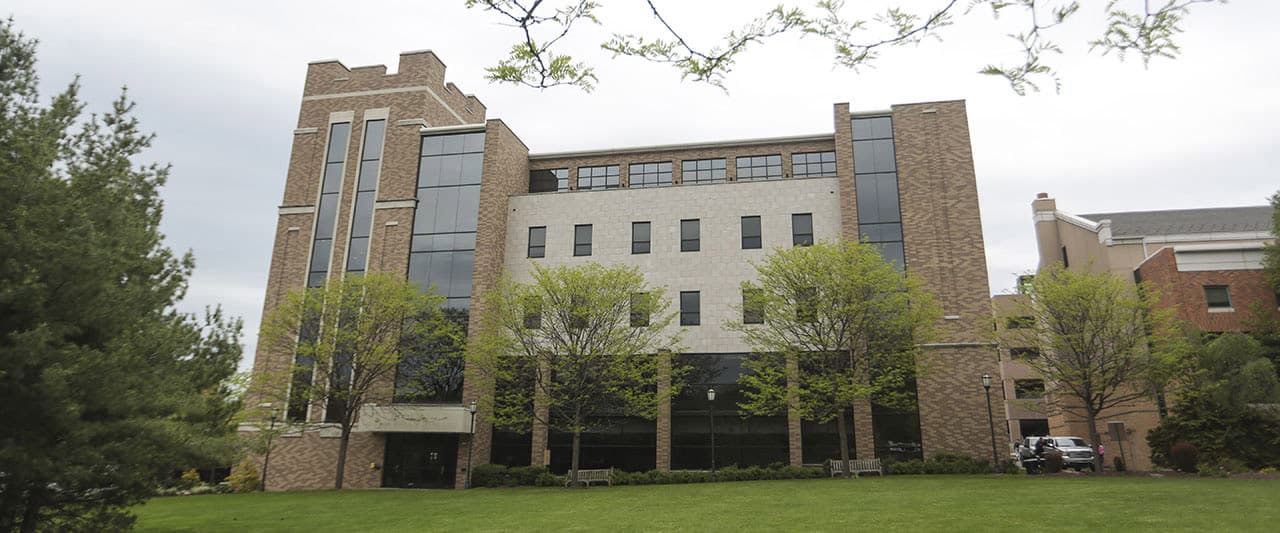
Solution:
(1076, 453)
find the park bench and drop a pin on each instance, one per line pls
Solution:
(587, 477)
(857, 467)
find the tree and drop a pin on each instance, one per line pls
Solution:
(1271, 252)
(105, 389)
(1221, 406)
(846, 321)
(349, 336)
(1102, 344)
(535, 60)
(573, 348)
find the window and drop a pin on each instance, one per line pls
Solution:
(639, 237)
(578, 312)
(1028, 389)
(1024, 353)
(703, 171)
(1217, 296)
(537, 242)
(640, 310)
(366, 185)
(1020, 322)
(875, 180)
(813, 165)
(802, 229)
(759, 167)
(327, 210)
(1066, 263)
(649, 175)
(751, 233)
(752, 306)
(602, 177)
(582, 239)
(689, 235)
(532, 313)
(549, 180)
(690, 308)
(442, 250)
(807, 304)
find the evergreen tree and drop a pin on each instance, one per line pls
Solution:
(105, 389)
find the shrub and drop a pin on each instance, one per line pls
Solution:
(902, 468)
(1053, 462)
(244, 478)
(1119, 464)
(1268, 470)
(190, 478)
(490, 475)
(1184, 456)
(547, 479)
(525, 476)
(1223, 467)
(729, 473)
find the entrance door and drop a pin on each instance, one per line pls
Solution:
(420, 460)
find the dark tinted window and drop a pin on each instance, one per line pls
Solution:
(872, 128)
(649, 174)
(752, 306)
(602, 177)
(703, 171)
(1020, 322)
(1024, 353)
(443, 246)
(537, 241)
(690, 240)
(690, 308)
(759, 167)
(802, 229)
(751, 233)
(582, 240)
(1217, 296)
(639, 310)
(813, 164)
(640, 237)
(549, 180)
(1028, 389)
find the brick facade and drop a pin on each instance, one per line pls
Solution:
(1184, 292)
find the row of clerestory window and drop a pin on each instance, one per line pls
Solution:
(693, 171)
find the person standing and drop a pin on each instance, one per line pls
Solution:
(1102, 457)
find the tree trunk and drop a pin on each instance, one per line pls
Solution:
(573, 464)
(1091, 420)
(844, 441)
(342, 455)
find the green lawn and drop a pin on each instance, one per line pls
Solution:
(952, 503)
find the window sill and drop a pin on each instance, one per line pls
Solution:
(1222, 310)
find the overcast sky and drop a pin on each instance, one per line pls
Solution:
(220, 83)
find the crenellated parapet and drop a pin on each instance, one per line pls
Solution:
(418, 70)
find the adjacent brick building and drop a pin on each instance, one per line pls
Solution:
(1205, 263)
(402, 173)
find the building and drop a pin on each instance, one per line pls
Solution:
(404, 173)
(1023, 387)
(1205, 263)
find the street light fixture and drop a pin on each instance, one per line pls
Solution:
(470, 441)
(711, 398)
(991, 421)
(271, 433)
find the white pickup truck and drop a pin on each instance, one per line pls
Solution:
(1076, 453)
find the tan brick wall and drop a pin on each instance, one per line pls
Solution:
(410, 96)
(942, 230)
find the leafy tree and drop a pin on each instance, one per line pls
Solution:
(847, 322)
(1103, 345)
(349, 336)
(1225, 406)
(1271, 252)
(105, 389)
(537, 59)
(580, 343)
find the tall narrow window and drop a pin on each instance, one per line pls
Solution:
(807, 304)
(690, 308)
(537, 242)
(1217, 297)
(690, 235)
(442, 251)
(875, 177)
(532, 313)
(640, 310)
(327, 212)
(752, 306)
(582, 240)
(751, 233)
(366, 189)
(802, 229)
(1066, 263)
(640, 237)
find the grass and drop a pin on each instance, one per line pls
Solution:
(951, 503)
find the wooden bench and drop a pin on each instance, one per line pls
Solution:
(857, 467)
(587, 477)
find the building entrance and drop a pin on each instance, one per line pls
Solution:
(420, 460)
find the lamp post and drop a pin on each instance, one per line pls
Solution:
(991, 421)
(271, 433)
(711, 398)
(470, 441)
